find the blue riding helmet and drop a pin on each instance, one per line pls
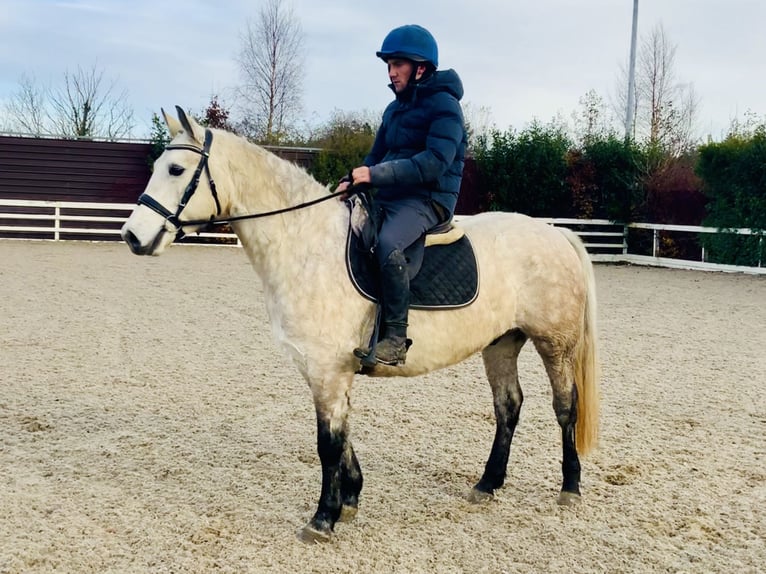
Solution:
(411, 42)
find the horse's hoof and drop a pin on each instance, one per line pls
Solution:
(310, 534)
(477, 496)
(568, 498)
(347, 513)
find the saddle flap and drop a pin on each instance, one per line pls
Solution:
(448, 277)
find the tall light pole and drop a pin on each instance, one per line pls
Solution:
(632, 75)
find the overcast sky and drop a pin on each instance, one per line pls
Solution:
(520, 59)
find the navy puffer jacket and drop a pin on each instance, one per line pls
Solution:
(419, 149)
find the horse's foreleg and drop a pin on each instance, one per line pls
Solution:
(331, 441)
(500, 364)
(341, 474)
(350, 483)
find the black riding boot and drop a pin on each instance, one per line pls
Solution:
(395, 302)
(395, 292)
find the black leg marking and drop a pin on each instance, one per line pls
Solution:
(351, 479)
(330, 446)
(500, 365)
(570, 465)
(507, 411)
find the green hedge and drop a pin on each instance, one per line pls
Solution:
(734, 176)
(526, 171)
(541, 172)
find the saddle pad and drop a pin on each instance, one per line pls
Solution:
(448, 277)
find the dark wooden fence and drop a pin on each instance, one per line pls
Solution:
(117, 172)
(84, 170)
(72, 170)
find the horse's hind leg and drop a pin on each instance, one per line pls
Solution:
(500, 364)
(560, 368)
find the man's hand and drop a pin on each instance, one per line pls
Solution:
(343, 185)
(357, 176)
(360, 175)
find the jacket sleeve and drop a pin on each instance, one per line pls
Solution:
(444, 138)
(378, 150)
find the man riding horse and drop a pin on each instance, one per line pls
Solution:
(416, 166)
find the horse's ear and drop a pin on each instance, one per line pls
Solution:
(190, 126)
(174, 126)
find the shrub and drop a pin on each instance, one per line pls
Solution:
(345, 142)
(734, 176)
(525, 172)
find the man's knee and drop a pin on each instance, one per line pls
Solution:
(395, 257)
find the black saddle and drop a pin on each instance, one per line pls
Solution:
(443, 275)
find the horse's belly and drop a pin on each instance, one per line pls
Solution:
(530, 279)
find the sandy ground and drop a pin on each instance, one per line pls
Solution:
(148, 424)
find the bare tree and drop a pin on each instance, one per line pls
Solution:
(665, 109)
(25, 111)
(271, 63)
(747, 126)
(478, 123)
(83, 106)
(593, 120)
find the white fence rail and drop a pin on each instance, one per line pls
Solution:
(605, 240)
(617, 252)
(62, 220)
(52, 219)
(656, 228)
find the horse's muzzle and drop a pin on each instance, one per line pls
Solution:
(139, 248)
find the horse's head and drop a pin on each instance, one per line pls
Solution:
(180, 196)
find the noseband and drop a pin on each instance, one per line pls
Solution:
(173, 218)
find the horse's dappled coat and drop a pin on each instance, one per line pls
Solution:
(536, 284)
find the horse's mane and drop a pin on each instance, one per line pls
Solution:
(260, 181)
(267, 171)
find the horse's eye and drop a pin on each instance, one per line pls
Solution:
(175, 169)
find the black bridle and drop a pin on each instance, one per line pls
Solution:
(174, 218)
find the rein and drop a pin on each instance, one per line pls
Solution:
(178, 224)
(213, 221)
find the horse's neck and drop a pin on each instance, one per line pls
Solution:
(284, 247)
(265, 182)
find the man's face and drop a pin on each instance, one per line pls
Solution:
(399, 72)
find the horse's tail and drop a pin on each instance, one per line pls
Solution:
(586, 357)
